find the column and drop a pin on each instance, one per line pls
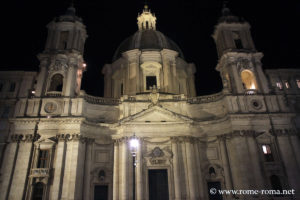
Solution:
(296, 146)
(290, 163)
(7, 169)
(139, 173)
(74, 165)
(237, 79)
(226, 167)
(116, 171)
(58, 166)
(41, 80)
(166, 73)
(184, 169)
(256, 168)
(238, 182)
(87, 172)
(68, 82)
(176, 170)
(124, 171)
(190, 156)
(199, 176)
(17, 189)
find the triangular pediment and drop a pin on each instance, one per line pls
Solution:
(45, 143)
(265, 137)
(156, 114)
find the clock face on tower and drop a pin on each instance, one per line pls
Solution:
(50, 107)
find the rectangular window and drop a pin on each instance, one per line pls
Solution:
(12, 87)
(121, 88)
(43, 159)
(267, 153)
(298, 83)
(279, 85)
(287, 85)
(150, 82)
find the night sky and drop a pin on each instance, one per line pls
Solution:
(190, 23)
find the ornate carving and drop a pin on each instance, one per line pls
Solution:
(157, 152)
(282, 132)
(154, 97)
(50, 107)
(243, 64)
(24, 138)
(101, 100)
(74, 137)
(59, 65)
(206, 99)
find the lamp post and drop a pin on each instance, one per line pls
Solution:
(134, 143)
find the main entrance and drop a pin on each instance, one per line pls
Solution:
(101, 192)
(158, 184)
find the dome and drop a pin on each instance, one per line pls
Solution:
(148, 39)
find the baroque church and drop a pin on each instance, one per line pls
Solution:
(57, 142)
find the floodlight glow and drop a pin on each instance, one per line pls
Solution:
(134, 143)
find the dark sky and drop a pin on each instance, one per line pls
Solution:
(190, 23)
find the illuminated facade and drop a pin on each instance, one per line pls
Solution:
(59, 143)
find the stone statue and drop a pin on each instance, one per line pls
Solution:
(154, 96)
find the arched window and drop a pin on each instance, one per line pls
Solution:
(237, 40)
(56, 83)
(38, 191)
(63, 40)
(248, 80)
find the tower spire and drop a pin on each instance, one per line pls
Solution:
(146, 20)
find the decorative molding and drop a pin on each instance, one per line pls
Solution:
(24, 138)
(101, 100)
(206, 99)
(244, 64)
(154, 96)
(183, 139)
(74, 137)
(283, 132)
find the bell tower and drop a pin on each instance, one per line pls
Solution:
(61, 63)
(239, 62)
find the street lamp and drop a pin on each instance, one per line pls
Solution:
(134, 143)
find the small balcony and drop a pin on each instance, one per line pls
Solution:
(53, 94)
(250, 91)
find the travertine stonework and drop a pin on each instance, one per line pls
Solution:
(197, 139)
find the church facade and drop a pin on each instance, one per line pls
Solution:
(57, 142)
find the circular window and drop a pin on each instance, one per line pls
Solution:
(256, 104)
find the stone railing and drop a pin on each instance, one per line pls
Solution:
(40, 172)
(205, 99)
(53, 94)
(101, 100)
(250, 92)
